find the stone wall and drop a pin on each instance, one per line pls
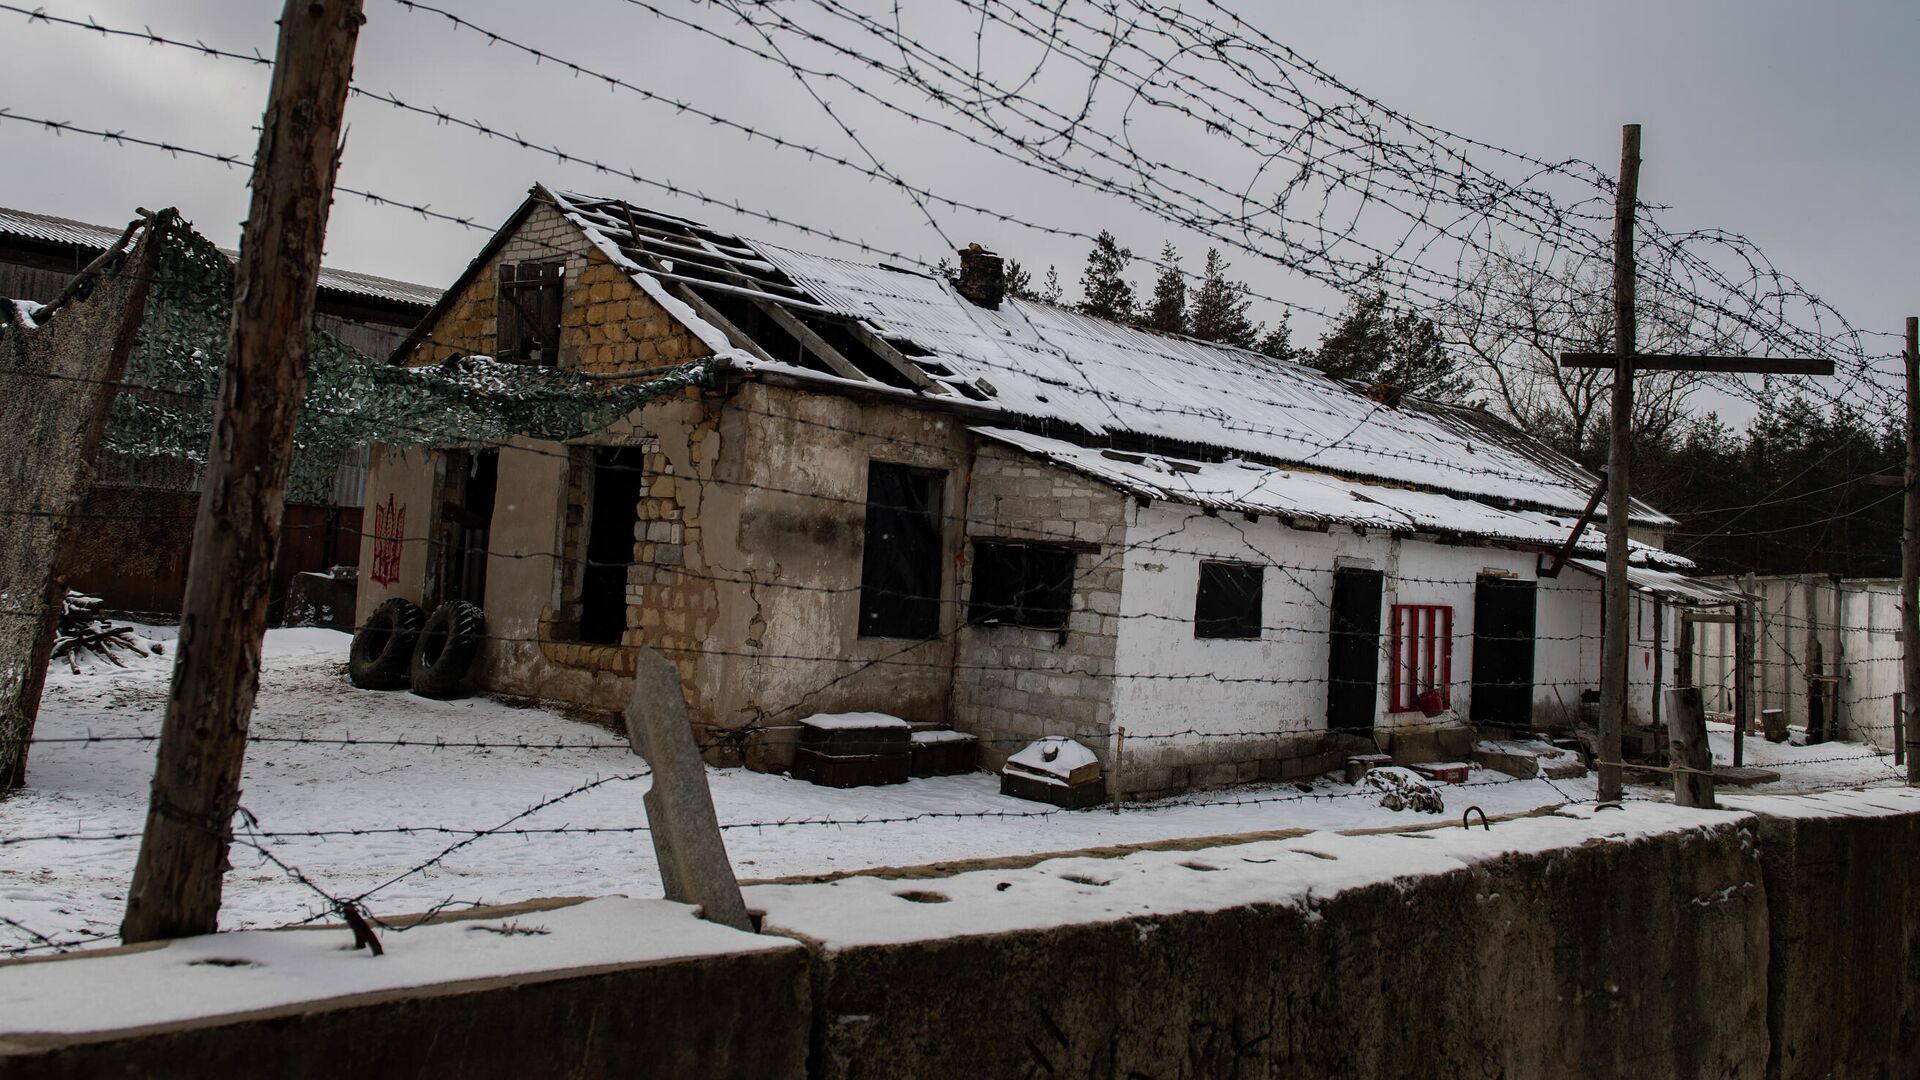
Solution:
(606, 322)
(1014, 684)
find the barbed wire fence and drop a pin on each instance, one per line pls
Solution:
(1331, 164)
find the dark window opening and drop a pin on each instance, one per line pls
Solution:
(1021, 585)
(1503, 642)
(900, 567)
(466, 516)
(1228, 605)
(610, 522)
(528, 313)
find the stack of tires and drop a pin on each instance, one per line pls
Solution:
(401, 648)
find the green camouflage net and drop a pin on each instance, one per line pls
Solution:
(165, 411)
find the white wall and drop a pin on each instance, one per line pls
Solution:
(1279, 682)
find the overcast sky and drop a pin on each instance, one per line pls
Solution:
(1794, 123)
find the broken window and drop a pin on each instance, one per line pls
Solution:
(1228, 604)
(1422, 657)
(900, 567)
(528, 322)
(1021, 584)
(610, 524)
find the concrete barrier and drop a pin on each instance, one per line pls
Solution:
(1774, 939)
(1631, 953)
(1843, 973)
(607, 988)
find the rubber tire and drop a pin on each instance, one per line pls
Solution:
(383, 646)
(446, 649)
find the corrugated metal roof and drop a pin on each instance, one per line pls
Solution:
(1258, 488)
(1037, 361)
(58, 230)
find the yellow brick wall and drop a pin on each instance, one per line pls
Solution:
(607, 323)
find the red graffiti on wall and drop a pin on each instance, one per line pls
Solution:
(389, 527)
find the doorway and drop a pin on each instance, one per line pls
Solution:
(1503, 637)
(466, 524)
(1353, 654)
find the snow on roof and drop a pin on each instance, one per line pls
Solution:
(1254, 487)
(1674, 588)
(20, 314)
(1040, 362)
(46, 228)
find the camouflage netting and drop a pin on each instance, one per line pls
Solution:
(352, 400)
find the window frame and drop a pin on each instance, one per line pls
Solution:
(1022, 613)
(544, 281)
(922, 621)
(1244, 625)
(1431, 626)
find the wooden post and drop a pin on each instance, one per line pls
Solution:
(1742, 679)
(1687, 750)
(1613, 661)
(1659, 654)
(1119, 762)
(694, 868)
(203, 741)
(1899, 728)
(1910, 557)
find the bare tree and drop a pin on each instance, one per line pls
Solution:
(1513, 321)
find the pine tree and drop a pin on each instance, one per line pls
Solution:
(1019, 281)
(1219, 308)
(1278, 342)
(1167, 312)
(1109, 295)
(1050, 293)
(1374, 343)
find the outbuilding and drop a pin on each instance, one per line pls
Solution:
(874, 489)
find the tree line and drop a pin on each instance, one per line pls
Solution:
(1804, 488)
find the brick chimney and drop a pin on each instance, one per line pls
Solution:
(983, 277)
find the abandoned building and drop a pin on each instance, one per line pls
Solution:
(140, 509)
(887, 491)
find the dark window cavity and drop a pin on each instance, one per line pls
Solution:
(529, 313)
(1021, 584)
(610, 522)
(1229, 602)
(900, 568)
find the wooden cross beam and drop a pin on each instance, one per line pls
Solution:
(1751, 365)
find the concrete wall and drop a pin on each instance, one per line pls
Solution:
(1014, 684)
(1773, 943)
(1807, 625)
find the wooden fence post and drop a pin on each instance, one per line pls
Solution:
(1689, 754)
(686, 835)
(223, 615)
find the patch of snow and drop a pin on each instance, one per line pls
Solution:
(223, 974)
(1055, 757)
(940, 735)
(854, 721)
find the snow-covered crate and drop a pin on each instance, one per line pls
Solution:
(856, 734)
(1446, 772)
(942, 752)
(1057, 771)
(851, 770)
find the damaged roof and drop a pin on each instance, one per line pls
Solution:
(771, 307)
(21, 225)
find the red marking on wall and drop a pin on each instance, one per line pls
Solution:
(389, 528)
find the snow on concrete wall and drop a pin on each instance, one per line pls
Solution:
(1258, 707)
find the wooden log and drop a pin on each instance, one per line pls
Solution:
(1619, 599)
(203, 741)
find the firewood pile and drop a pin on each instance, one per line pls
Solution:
(86, 632)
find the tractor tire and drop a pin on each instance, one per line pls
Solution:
(446, 649)
(383, 646)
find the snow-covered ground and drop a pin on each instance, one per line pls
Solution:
(72, 888)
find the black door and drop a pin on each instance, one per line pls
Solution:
(1503, 653)
(1353, 656)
